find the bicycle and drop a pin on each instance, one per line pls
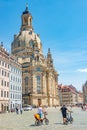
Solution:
(40, 121)
(69, 118)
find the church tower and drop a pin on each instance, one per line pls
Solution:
(26, 20)
(39, 78)
(49, 59)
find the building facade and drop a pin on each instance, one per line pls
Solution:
(80, 98)
(85, 93)
(4, 79)
(67, 94)
(39, 78)
(15, 83)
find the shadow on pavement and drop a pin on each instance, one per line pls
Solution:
(58, 123)
(32, 125)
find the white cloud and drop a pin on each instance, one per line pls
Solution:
(82, 70)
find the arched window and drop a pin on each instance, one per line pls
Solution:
(30, 22)
(38, 84)
(37, 58)
(31, 43)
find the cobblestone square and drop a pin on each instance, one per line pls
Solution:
(26, 121)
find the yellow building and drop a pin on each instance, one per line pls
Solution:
(39, 78)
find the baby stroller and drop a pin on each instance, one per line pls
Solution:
(39, 121)
(69, 118)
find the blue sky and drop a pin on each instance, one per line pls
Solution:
(62, 25)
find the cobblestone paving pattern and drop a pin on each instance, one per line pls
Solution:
(26, 121)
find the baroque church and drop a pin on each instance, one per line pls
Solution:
(39, 77)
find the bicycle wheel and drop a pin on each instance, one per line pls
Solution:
(37, 123)
(46, 121)
(71, 120)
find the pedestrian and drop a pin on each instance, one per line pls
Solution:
(16, 110)
(82, 107)
(64, 113)
(21, 110)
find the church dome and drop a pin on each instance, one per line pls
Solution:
(26, 37)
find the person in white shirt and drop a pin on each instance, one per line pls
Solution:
(40, 111)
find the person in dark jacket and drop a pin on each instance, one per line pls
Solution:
(64, 113)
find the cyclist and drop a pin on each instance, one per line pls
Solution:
(40, 111)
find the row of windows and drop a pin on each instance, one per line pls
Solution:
(14, 105)
(15, 70)
(16, 96)
(4, 73)
(2, 63)
(13, 78)
(65, 90)
(38, 78)
(15, 88)
(4, 83)
(4, 94)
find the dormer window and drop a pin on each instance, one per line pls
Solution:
(30, 32)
